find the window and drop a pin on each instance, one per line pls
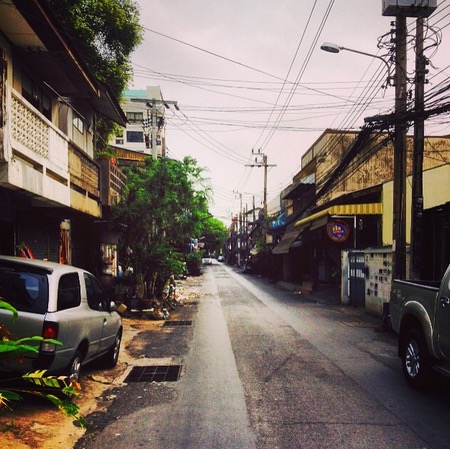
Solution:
(69, 291)
(135, 116)
(135, 136)
(96, 297)
(78, 123)
(39, 99)
(27, 292)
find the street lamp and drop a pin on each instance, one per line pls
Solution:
(334, 48)
(399, 182)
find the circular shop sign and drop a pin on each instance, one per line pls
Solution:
(338, 231)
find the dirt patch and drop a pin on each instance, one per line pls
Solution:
(36, 424)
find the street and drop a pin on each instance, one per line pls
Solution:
(265, 368)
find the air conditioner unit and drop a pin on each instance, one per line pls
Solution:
(409, 8)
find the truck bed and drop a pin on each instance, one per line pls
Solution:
(420, 292)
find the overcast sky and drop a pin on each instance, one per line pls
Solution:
(226, 61)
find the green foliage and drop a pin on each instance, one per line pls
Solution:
(17, 348)
(7, 306)
(215, 234)
(163, 207)
(105, 32)
(193, 263)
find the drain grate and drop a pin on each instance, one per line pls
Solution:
(165, 373)
(178, 323)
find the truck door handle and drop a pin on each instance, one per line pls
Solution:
(445, 301)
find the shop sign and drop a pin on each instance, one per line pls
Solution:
(338, 230)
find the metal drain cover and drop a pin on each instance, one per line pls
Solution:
(165, 373)
(177, 323)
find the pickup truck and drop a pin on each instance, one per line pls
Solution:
(420, 315)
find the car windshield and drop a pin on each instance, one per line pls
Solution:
(24, 290)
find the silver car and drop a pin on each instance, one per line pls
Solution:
(60, 302)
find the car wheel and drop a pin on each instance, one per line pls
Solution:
(112, 356)
(416, 361)
(74, 369)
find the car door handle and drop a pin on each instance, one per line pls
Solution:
(445, 301)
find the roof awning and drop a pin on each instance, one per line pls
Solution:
(343, 209)
(289, 237)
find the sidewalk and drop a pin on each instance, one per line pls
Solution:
(331, 296)
(325, 294)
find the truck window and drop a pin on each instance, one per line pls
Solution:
(69, 291)
(27, 292)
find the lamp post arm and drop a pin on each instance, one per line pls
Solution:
(388, 68)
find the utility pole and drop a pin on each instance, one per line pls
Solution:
(154, 106)
(239, 233)
(263, 163)
(418, 150)
(399, 196)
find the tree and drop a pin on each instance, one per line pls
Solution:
(106, 32)
(162, 208)
(214, 234)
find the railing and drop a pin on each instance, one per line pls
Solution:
(84, 172)
(113, 182)
(29, 135)
(117, 179)
(28, 128)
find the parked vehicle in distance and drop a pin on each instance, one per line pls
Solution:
(220, 258)
(420, 315)
(63, 303)
(207, 260)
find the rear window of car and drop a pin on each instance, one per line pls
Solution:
(69, 291)
(26, 291)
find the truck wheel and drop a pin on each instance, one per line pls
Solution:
(112, 356)
(415, 359)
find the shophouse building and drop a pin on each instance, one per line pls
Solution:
(339, 215)
(52, 190)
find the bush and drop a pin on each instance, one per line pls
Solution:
(16, 348)
(193, 264)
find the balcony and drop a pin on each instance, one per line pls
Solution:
(112, 182)
(41, 161)
(84, 182)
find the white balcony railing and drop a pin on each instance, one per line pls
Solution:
(39, 158)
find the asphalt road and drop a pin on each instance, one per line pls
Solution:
(265, 368)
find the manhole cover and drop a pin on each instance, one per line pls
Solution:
(166, 373)
(177, 323)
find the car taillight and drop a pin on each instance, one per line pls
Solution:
(49, 331)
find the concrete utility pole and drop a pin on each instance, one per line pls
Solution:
(399, 197)
(401, 10)
(153, 107)
(418, 150)
(263, 163)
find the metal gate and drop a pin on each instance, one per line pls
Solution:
(357, 279)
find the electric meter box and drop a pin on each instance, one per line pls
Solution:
(409, 8)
